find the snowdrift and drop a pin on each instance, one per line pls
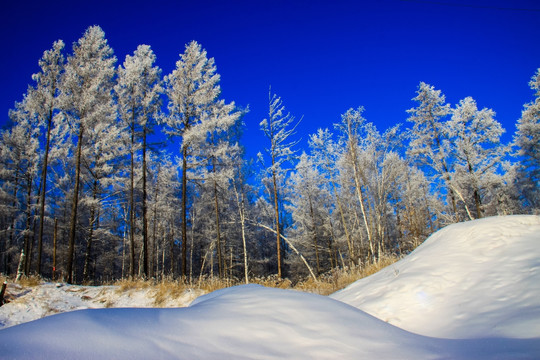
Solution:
(477, 280)
(247, 322)
(469, 280)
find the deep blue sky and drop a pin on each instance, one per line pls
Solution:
(321, 57)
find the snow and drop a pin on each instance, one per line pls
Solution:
(36, 302)
(469, 280)
(476, 283)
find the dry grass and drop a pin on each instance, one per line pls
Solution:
(325, 285)
(169, 288)
(338, 279)
(30, 281)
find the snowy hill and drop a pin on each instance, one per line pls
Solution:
(246, 322)
(469, 280)
(477, 282)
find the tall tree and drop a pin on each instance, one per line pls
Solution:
(475, 145)
(22, 151)
(428, 135)
(195, 112)
(351, 126)
(527, 140)
(86, 100)
(43, 102)
(138, 95)
(278, 128)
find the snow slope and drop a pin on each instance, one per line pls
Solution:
(477, 282)
(469, 280)
(246, 322)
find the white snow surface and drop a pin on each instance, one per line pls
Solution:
(473, 279)
(477, 282)
(35, 302)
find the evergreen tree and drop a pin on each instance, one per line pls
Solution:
(195, 113)
(43, 103)
(86, 98)
(138, 96)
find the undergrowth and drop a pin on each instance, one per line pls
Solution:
(170, 288)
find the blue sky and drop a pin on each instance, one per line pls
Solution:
(321, 57)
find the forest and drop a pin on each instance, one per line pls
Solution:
(88, 196)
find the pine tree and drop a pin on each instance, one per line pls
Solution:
(43, 103)
(195, 112)
(22, 154)
(138, 96)
(86, 100)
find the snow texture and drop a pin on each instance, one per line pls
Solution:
(469, 280)
(476, 281)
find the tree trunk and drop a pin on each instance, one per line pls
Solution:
(27, 240)
(43, 191)
(241, 213)
(218, 233)
(87, 255)
(278, 235)
(184, 212)
(144, 210)
(55, 237)
(358, 185)
(132, 205)
(350, 244)
(314, 236)
(74, 206)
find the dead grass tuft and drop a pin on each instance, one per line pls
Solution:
(168, 289)
(132, 284)
(30, 281)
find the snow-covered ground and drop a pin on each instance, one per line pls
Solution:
(471, 291)
(35, 302)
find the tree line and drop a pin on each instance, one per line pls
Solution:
(87, 196)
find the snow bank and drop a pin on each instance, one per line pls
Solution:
(469, 280)
(246, 322)
(474, 285)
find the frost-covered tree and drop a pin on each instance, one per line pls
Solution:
(278, 128)
(138, 96)
(326, 153)
(310, 211)
(527, 140)
(86, 100)
(351, 127)
(217, 155)
(42, 100)
(475, 146)
(20, 152)
(195, 113)
(428, 136)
